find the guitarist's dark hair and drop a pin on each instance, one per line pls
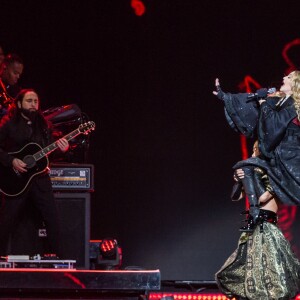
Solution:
(14, 110)
(40, 123)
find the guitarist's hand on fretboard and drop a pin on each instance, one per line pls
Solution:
(63, 144)
(19, 165)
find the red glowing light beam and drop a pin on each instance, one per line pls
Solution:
(138, 7)
(246, 86)
(287, 47)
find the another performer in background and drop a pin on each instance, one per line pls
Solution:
(262, 185)
(258, 186)
(11, 70)
(24, 124)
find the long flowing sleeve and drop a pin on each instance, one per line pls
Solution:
(272, 126)
(240, 113)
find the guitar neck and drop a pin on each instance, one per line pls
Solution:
(50, 148)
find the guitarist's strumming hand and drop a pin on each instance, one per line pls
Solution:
(62, 144)
(19, 165)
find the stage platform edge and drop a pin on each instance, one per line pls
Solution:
(76, 284)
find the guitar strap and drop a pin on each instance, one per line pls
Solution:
(30, 130)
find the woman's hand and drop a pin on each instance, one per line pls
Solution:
(218, 92)
(217, 84)
(261, 101)
(238, 175)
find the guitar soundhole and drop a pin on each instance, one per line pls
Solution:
(29, 161)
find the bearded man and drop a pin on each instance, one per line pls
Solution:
(25, 124)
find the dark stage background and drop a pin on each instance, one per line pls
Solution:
(162, 150)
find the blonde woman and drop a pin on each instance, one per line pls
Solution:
(264, 266)
(274, 120)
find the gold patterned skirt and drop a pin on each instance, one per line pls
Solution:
(263, 267)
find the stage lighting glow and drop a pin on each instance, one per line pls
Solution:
(105, 254)
(138, 7)
(108, 247)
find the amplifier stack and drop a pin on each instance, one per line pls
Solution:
(72, 185)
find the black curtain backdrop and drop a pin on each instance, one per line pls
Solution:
(162, 150)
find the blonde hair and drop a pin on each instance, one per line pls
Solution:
(296, 91)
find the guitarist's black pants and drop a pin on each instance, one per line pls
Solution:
(40, 194)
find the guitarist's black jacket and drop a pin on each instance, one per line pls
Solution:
(16, 132)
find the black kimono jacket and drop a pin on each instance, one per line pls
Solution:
(278, 131)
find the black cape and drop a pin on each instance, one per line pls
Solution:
(278, 132)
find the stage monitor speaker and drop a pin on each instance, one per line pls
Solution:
(74, 216)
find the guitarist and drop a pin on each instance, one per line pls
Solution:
(24, 124)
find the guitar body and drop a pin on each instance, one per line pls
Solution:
(12, 182)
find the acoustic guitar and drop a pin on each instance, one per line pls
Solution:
(13, 182)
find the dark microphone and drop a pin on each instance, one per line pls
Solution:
(261, 93)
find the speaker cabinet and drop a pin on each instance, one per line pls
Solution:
(74, 217)
(74, 221)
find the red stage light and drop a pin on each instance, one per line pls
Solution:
(105, 254)
(288, 60)
(138, 6)
(108, 247)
